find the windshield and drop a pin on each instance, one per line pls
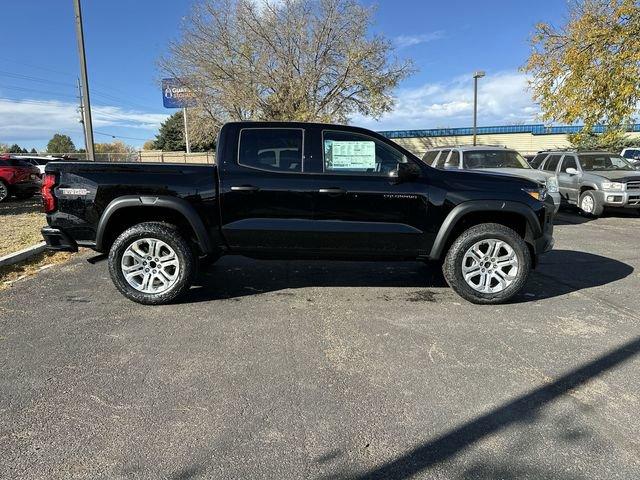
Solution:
(603, 161)
(494, 159)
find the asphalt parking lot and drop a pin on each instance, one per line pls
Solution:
(330, 370)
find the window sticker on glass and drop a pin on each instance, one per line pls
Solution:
(349, 155)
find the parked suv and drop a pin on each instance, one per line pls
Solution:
(18, 178)
(491, 159)
(632, 155)
(592, 180)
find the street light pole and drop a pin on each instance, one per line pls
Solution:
(476, 76)
(88, 125)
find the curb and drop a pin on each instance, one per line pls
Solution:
(21, 255)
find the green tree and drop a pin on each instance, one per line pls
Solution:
(33, 150)
(171, 137)
(61, 144)
(588, 69)
(15, 148)
(613, 141)
(306, 60)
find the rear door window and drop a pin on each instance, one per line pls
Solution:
(552, 163)
(442, 158)
(537, 160)
(429, 157)
(454, 160)
(273, 149)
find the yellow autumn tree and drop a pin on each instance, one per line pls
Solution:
(589, 69)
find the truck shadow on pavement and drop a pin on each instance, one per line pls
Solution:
(560, 272)
(565, 271)
(526, 409)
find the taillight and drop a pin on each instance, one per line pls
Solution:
(48, 200)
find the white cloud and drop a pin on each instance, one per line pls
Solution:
(35, 121)
(503, 99)
(403, 41)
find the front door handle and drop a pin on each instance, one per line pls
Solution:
(244, 188)
(332, 191)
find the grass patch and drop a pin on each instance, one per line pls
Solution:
(20, 221)
(37, 263)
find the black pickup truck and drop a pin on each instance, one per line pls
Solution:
(298, 190)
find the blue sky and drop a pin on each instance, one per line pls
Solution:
(124, 38)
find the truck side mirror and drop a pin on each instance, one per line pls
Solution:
(405, 172)
(571, 171)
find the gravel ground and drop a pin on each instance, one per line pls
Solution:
(321, 370)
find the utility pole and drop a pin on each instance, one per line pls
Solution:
(476, 76)
(88, 126)
(186, 129)
(81, 109)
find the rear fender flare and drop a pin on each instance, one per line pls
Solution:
(178, 204)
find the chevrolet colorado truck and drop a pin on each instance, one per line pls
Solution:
(283, 190)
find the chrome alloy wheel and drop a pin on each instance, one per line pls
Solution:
(490, 266)
(4, 191)
(150, 266)
(587, 204)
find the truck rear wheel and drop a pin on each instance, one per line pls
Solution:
(151, 263)
(487, 264)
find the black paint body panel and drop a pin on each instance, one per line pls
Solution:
(308, 214)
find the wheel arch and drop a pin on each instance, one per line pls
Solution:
(515, 215)
(128, 210)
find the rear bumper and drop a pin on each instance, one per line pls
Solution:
(58, 240)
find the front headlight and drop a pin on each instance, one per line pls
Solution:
(537, 193)
(552, 185)
(612, 186)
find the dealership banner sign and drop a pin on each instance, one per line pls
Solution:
(176, 94)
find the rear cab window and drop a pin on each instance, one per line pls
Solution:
(272, 149)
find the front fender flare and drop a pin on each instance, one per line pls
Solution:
(178, 204)
(465, 208)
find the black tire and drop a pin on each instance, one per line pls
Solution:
(597, 208)
(24, 196)
(168, 234)
(4, 191)
(453, 263)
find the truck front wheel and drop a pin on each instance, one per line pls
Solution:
(151, 263)
(487, 264)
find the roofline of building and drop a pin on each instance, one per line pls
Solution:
(534, 129)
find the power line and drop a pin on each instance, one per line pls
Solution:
(98, 92)
(119, 136)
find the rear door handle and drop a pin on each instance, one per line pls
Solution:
(332, 191)
(244, 188)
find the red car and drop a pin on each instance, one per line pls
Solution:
(18, 178)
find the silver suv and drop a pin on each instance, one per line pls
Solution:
(491, 159)
(592, 180)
